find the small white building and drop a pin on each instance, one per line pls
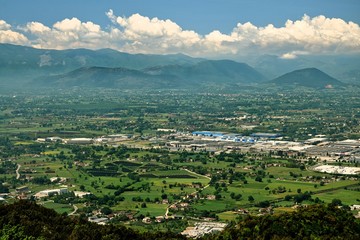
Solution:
(53, 139)
(51, 192)
(58, 179)
(100, 221)
(146, 220)
(81, 194)
(79, 141)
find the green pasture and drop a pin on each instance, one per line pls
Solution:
(214, 205)
(347, 197)
(153, 209)
(227, 216)
(284, 172)
(280, 210)
(152, 194)
(60, 208)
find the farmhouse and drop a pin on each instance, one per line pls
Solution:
(81, 194)
(211, 197)
(22, 189)
(100, 221)
(146, 220)
(58, 179)
(160, 219)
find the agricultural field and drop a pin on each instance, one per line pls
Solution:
(137, 175)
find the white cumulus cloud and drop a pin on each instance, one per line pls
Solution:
(4, 25)
(68, 33)
(9, 36)
(141, 34)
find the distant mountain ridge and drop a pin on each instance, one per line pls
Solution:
(222, 73)
(308, 77)
(110, 68)
(105, 77)
(26, 66)
(19, 64)
(71, 59)
(343, 67)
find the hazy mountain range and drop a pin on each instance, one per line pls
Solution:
(25, 66)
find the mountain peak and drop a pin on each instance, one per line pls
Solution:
(307, 77)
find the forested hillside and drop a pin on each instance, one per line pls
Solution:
(26, 220)
(312, 222)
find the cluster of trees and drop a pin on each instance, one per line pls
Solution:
(312, 222)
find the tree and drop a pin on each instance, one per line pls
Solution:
(288, 198)
(336, 202)
(237, 197)
(251, 198)
(218, 196)
(106, 210)
(3, 189)
(164, 196)
(263, 204)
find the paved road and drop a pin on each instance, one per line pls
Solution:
(17, 171)
(75, 209)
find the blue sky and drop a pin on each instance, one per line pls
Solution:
(195, 27)
(202, 16)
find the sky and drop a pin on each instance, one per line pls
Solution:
(200, 28)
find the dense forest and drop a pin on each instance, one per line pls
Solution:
(27, 220)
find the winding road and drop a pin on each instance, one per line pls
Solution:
(17, 171)
(75, 209)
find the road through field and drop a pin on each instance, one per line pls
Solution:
(194, 173)
(197, 174)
